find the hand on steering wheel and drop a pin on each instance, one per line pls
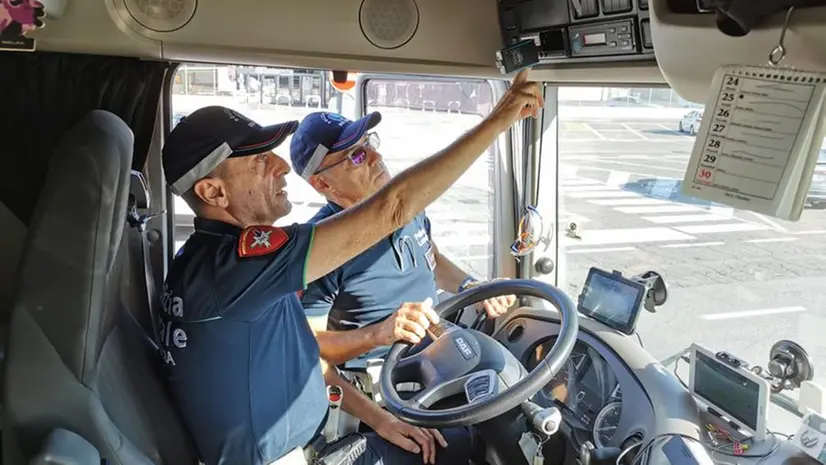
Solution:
(467, 362)
(495, 306)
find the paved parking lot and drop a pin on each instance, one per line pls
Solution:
(617, 131)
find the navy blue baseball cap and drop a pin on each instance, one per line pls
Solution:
(210, 135)
(322, 133)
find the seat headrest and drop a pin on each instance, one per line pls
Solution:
(139, 189)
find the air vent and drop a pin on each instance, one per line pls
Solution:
(635, 438)
(389, 24)
(612, 7)
(515, 332)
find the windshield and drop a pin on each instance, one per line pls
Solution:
(737, 281)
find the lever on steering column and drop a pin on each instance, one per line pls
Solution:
(543, 420)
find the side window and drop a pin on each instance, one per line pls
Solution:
(421, 117)
(267, 95)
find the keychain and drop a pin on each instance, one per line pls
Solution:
(539, 459)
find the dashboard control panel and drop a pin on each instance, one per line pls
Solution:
(579, 30)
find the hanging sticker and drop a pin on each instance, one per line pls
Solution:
(18, 18)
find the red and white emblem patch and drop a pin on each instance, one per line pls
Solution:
(260, 240)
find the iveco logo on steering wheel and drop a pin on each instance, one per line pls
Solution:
(464, 348)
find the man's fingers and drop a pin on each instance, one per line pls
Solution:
(405, 443)
(431, 315)
(438, 436)
(416, 318)
(409, 336)
(521, 76)
(426, 441)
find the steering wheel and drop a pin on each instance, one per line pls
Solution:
(464, 360)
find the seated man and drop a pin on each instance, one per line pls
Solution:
(242, 362)
(375, 299)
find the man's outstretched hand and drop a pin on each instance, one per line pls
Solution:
(523, 99)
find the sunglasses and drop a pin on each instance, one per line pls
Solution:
(359, 154)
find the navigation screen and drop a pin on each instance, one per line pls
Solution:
(727, 389)
(612, 300)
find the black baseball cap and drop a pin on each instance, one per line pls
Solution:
(210, 135)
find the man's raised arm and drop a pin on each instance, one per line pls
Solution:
(347, 234)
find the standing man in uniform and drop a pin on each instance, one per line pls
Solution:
(243, 364)
(370, 302)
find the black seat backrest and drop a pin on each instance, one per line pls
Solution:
(76, 358)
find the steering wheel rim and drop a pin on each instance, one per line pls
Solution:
(489, 406)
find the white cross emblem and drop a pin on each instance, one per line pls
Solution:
(260, 239)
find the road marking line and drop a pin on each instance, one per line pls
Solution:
(666, 219)
(813, 231)
(617, 178)
(594, 131)
(628, 236)
(588, 188)
(600, 249)
(772, 239)
(769, 222)
(645, 175)
(615, 194)
(635, 132)
(601, 160)
(658, 209)
(581, 182)
(624, 202)
(720, 228)
(693, 244)
(751, 313)
(667, 128)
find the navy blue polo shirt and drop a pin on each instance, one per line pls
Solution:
(242, 361)
(372, 286)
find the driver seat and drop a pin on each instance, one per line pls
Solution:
(77, 359)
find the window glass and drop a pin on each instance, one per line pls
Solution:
(267, 95)
(421, 117)
(738, 281)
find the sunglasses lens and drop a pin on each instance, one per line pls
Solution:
(358, 157)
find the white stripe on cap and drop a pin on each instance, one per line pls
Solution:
(315, 161)
(203, 168)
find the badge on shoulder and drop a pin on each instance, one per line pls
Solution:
(260, 240)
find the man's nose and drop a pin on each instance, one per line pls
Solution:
(373, 157)
(279, 166)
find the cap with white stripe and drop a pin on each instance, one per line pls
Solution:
(210, 135)
(321, 133)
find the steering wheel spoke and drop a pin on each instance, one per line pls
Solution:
(475, 386)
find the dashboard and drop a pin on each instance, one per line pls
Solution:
(586, 390)
(611, 391)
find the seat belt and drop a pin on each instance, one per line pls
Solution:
(139, 222)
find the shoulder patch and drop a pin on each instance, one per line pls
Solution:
(260, 240)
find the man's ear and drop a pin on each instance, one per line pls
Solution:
(212, 192)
